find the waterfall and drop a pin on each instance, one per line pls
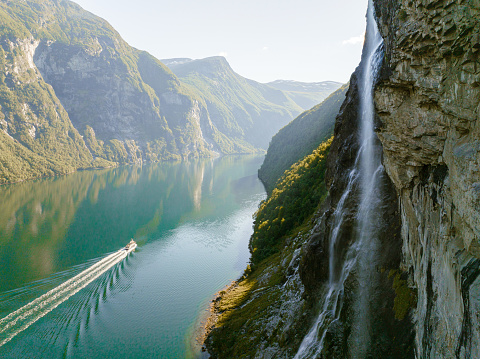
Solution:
(363, 252)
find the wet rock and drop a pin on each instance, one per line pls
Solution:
(428, 106)
(387, 335)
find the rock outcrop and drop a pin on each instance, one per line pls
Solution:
(429, 124)
(426, 285)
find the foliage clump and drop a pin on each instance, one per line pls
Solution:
(297, 195)
(300, 137)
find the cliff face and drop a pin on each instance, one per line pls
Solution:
(429, 124)
(424, 281)
(427, 119)
(74, 94)
(37, 138)
(389, 301)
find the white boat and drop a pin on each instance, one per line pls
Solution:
(130, 246)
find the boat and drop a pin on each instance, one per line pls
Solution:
(130, 246)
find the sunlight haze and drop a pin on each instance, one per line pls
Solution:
(263, 40)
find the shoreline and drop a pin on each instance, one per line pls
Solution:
(209, 319)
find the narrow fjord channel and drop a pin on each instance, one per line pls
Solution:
(67, 291)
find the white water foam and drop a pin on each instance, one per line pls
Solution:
(21, 319)
(367, 169)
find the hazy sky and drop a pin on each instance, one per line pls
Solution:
(264, 40)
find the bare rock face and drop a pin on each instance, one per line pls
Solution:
(391, 333)
(113, 90)
(429, 124)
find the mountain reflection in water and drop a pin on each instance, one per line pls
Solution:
(192, 221)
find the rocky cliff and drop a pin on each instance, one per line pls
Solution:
(424, 290)
(74, 94)
(428, 105)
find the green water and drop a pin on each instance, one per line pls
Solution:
(192, 222)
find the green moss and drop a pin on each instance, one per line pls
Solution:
(244, 307)
(406, 297)
(402, 15)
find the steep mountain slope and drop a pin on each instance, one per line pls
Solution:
(37, 137)
(300, 137)
(429, 109)
(74, 95)
(425, 276)
(240, 108)
(258, 315)
(306, 94)
(67, 74)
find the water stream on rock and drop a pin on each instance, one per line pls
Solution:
(362, 253)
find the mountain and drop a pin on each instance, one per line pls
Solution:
(300, 137)
(242, 109)
(268, 291)
(405, 285)
(306, 94)
(75, 95)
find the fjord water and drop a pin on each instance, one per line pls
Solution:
(192, 222)
(362, 255)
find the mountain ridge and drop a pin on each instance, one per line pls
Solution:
(306, 94)
(235, 102)
(75, 95)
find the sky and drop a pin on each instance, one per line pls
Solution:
(263, 40)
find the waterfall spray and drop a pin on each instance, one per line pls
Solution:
(362, 253)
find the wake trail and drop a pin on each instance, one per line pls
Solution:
(21, 319)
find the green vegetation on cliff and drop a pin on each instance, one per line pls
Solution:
(241, 109)
(259, 310)
(300, 137)
(295, 198)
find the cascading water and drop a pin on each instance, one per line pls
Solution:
(362, 253)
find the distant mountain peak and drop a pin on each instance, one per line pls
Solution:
(292, 85)
(306, 94)
(180, 61)
(176, 61)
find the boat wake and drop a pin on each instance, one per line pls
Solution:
(21, 319)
